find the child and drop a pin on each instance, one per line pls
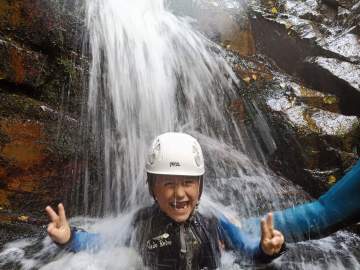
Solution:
(172, 234)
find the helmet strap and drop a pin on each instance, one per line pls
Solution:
(151, 182)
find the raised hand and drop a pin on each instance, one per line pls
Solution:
(271, 239)
(58, 228)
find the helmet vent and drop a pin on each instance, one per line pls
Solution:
(154, 153)
(197, 158)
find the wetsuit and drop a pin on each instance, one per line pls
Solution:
(192, 245)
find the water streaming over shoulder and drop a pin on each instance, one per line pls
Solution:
(151, 72)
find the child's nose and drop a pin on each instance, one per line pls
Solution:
(179, 191)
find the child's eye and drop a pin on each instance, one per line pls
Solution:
(168, 183)
(190, 182)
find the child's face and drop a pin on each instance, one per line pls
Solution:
(177, 195)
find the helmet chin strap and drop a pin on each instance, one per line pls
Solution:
(200, 188)
(150, 182)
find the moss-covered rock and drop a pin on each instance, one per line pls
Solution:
(305, 136)
(37, 154)
(44, 25)
(314, 40)
(41, 83)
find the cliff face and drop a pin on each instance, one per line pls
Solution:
(317, 42)
(41, 81)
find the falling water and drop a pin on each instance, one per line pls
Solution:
(150, 73)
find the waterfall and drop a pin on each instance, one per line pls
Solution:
(152, 73)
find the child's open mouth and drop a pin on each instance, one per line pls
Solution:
(179, 205)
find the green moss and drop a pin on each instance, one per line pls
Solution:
(330, 100)
(19, 106)
(67, 66)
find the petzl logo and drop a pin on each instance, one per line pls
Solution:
(174, 164)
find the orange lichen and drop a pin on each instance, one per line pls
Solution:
(25, 183)
(23, 218)
(25, 148)
(238, 108)
(2, 172)
(243, 43)
(4, 201)
(331, 179)
(252, 75)
(15, 15)
(239, 39)
(17, 65)
(5, 219)
(4, 11)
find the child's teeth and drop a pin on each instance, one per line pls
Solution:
(179, 205)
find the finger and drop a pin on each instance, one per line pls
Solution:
(52, 214)
(269, 222)
(51, 229)
(62, 214)
(265, 234)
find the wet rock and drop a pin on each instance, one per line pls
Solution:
(10, 231)
(40, 76)
(40, 50)
(292, 32)
(37, 155)
(345, 71)
(22, 66)
(313, 143)
(239, 39)
(342, 3)
(324, 141)
(44, 25)
(338, 77)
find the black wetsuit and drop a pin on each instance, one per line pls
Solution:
(166, 244)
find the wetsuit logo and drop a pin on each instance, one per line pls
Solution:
(159, 241)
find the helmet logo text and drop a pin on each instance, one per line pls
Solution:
(175, 164)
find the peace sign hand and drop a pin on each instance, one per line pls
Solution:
(58, 229)
(271, 239)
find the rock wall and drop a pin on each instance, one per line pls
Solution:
(317, 41)
(304, 78)
(41, 83)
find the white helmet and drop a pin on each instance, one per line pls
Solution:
(175, 154)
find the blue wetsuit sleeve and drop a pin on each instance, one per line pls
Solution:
(83, 240)
(337, 208)
(243, 242)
